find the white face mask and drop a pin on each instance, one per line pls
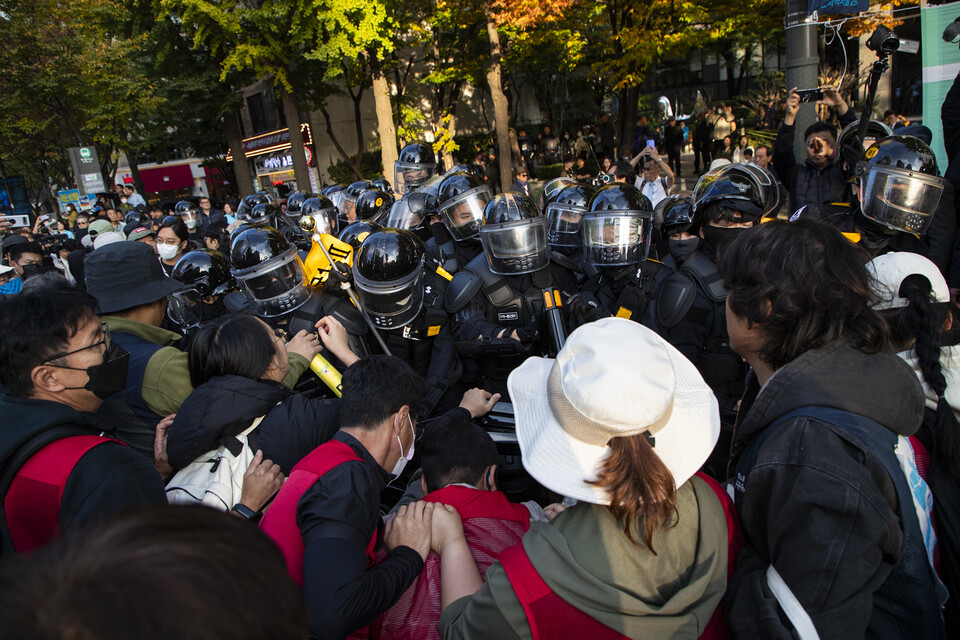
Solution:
(404, 459)
(167, 251)
(191, 223)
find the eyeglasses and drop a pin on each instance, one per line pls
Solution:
(105, 341)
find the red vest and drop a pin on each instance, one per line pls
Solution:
(280, 520)
(550, 616)
(491, 524)
(32, 504)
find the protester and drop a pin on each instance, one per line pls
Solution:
(172, 239)
(644, 552)
(26, 258)
(827, 510)
(652, 185)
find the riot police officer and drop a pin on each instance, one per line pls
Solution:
(461, 201)
(497, 299)
(207, 276)
(564, 212)
(405, 301)
(346, 200)
(289, 220)
(189, 213)
(373, 204)
(412, 213)
(259, 209)
(416, 163)
(617, 230)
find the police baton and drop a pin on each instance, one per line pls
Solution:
(551, 305)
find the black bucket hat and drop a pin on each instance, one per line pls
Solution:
(124, 275)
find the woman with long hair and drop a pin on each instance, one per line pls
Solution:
(644, 551)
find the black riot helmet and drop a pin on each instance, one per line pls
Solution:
(346, 201)
(373, 204)
(553, 187)
(617, 227)
(207, 275)
(876, 130)
(388, 274)
(266, 213)
(676, 215)
(416, 163)
(461, 201)
(564, 213)
(382, 184)
(294, 202)
(323, 213)
(247, 204)
(354, 234)
(514, 235)
(188, 212)
(900, 184)
(268, 269)
(736, 190)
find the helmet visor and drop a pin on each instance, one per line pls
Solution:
(183, 307)
(410, 175)
(401, 217)
(392, 304)
(462, 213)
(563, 225)
(516, 248)
(276, 286)
(325, 221)
(901, 200)
(616, 239)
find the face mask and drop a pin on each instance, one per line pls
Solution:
(30, 270)
(681, 249)
(719, 237)
(167, 251)
(439, 231)
(402, 462)
(212, 311)
(191, 224)
(123, 200)
(109, 377)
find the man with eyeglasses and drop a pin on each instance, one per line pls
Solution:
(57, 364)
(521, 185)
(26, 258)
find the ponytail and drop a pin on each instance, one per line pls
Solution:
(639, 485)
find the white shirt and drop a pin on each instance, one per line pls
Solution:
(653, 190)
(135, 200)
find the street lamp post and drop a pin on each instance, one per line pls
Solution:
(802, 65)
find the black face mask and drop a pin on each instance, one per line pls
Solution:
(109, 377)
(439, 231)
(716, 238)
(30, 270)
(681, 249)
(211, 311)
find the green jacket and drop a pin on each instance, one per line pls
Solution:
(585, 558)
(166, 379)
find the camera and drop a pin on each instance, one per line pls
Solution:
(883, 42)
(810, 95)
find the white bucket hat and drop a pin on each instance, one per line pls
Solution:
(612, 378)
(891, 269)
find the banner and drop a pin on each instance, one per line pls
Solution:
(827, 7)
(69, 196)
(941, 63)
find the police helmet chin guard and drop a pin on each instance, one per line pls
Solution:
(323, 212)
(900, 185)
(618, 227)
(269, 270)
(388, 274)
(417, 162)
(514, 235)
(564, 213)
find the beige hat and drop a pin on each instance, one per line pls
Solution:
(612, 378)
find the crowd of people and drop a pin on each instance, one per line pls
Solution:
(423, 409)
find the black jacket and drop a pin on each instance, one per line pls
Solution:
(821, 510)
(108, 479)
(224, 406)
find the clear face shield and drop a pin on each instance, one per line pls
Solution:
(407, 176)
(277, 286)
(899, 199)
(516, 247)
(563, 225)
(326, 221)
(394, 304)
(462, 213)
(191, 219)
(616, 238)
(183, 307)
(402, 217)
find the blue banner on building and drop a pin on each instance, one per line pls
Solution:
(827, 7)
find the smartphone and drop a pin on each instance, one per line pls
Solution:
(651, 144)
(810, 95)
(44, 217)
(16, 221)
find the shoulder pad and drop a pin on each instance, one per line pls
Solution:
(674, 300)
(461, 291)
(496, 289)
(565, 261)
(705, 273)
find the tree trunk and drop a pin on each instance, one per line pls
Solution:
(388, 131)
(336, 143)
(628, 120)
(241, 168)
(301, 172)
(501, 114)
(135, 171)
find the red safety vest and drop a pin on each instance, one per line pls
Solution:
(550, 616)
(32, 504)
(280, 520)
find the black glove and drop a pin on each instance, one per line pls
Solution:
(530, 332)
(584, 307)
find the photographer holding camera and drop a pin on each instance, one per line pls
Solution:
(652, 185)
(819, 179)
